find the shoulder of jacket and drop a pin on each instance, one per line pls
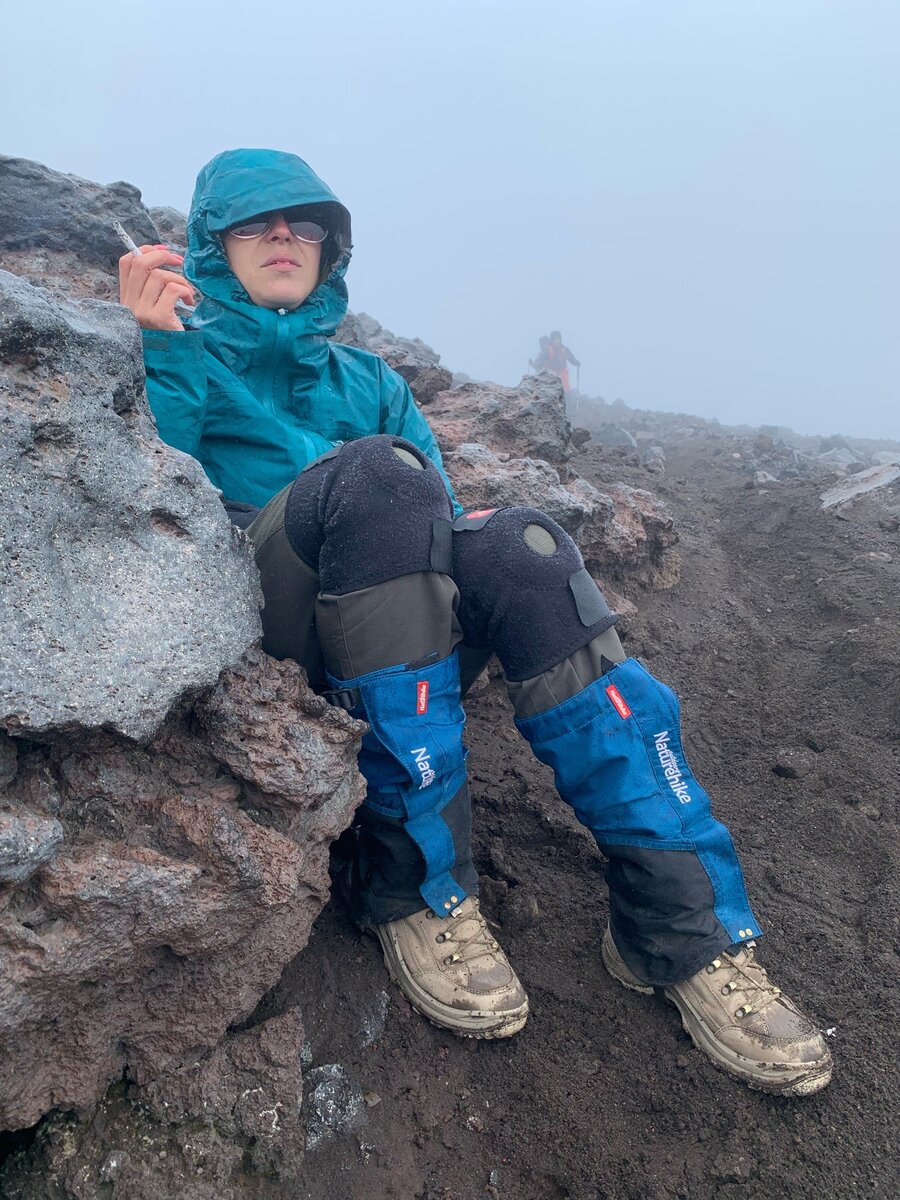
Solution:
(368, 361)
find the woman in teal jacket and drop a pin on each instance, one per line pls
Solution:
(393, 600)
(255, 393)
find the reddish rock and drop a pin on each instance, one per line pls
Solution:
(182, 888)
(626, 535)
(527, 421)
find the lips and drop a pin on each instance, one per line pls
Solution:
(280, 260)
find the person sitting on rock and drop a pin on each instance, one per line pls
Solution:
(558, 359)
(393, 599)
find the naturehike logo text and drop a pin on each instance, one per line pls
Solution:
(422, 697)
(423, 762)
(671, 769)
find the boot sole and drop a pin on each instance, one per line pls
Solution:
(483, 1026)
(773, 1080)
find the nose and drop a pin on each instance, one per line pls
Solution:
(279, 228)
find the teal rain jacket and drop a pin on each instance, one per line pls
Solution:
(256, 394)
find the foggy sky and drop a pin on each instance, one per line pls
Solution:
(702, 195)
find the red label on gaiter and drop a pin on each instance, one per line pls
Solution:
(422, 697)
(618, 701)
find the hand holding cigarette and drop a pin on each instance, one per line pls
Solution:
(152, 293)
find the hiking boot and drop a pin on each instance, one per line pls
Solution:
(453, 972)
(739, 1019)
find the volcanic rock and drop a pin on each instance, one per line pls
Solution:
(613, 435)
(482, 480)
(56, 229)
(27, 841)
(626, 534)
(654, 460)
(860, 484)
(410, 357)
(171, 224)
(230, 1116)
(124, 583)
(164, 824)
(527, 421)
(181, 889)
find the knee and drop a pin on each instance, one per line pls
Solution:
(523, 544)
(367, 511)
(524, 589)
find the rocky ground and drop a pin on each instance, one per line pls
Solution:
(774, 617)
(782, 639)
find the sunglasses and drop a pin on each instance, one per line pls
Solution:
(302, 228)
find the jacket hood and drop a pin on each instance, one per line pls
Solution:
(242, 183)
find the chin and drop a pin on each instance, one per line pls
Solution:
(276, 298)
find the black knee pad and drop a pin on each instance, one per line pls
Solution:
(364, 513)
(524, 590)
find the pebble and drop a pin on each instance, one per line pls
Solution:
(792, 763)
(519, 910)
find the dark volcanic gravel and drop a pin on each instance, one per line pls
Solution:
(782, 639)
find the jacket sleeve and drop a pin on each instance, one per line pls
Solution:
(403, 417)
(572, 359)
(176, 385)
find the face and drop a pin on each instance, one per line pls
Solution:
(276, 269)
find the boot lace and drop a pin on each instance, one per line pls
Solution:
(749, 977)
(466, 934)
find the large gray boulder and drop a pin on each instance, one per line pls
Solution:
(124, 584)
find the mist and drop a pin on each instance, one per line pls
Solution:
(701, 196)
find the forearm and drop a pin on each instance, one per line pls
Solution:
(176, 386)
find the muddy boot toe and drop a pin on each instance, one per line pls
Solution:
(452, 970)
(742, 1022)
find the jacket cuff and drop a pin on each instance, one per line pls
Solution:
(172, 346)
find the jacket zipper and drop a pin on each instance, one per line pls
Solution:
(275, 358)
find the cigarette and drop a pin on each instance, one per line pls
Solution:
(129, 245)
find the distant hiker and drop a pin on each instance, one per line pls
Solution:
(393, 600)
(540, 360)
(558, 359)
